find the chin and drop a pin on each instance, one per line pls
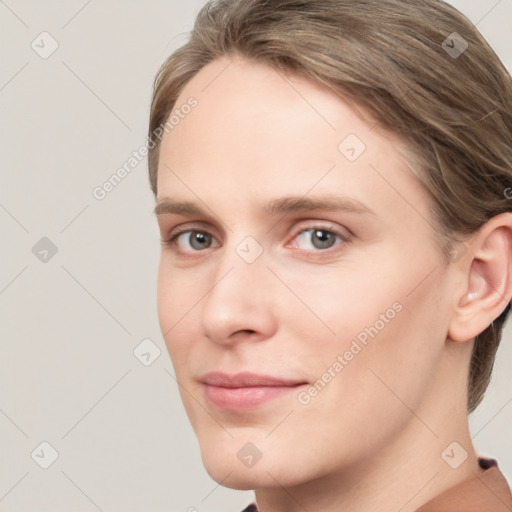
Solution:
(243, 479)
(230, 472)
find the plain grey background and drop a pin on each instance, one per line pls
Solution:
(78, 274)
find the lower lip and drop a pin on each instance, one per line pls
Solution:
(245, 398)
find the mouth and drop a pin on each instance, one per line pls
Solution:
(245, 390)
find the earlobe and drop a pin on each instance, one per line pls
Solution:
(488, 279)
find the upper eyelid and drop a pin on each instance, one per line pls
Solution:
(303, 226)
(189, 227)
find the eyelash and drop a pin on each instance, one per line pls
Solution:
(172, 241)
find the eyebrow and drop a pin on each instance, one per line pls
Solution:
(283, 205)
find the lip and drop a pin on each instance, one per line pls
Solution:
(245, 390)
(246, 379)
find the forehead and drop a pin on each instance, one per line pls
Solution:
(249, 104)
(256, 131)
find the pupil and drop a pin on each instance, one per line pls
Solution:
(198, 239)
(324, 240)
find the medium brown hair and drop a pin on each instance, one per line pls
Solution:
(446, 95)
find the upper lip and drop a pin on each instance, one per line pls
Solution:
(246, 379)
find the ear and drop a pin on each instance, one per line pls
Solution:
(487, 279)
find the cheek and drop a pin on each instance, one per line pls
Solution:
(337, 306)
(173, 304)
(387, 337)
(177, 292)
(397, 363)
(382, 380)
(165, 296)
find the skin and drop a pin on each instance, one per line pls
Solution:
(373, 437)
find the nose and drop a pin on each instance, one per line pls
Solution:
(240, 304)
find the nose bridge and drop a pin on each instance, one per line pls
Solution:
(239, 298)
(242, 262)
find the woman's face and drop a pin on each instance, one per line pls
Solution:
(348, 301)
